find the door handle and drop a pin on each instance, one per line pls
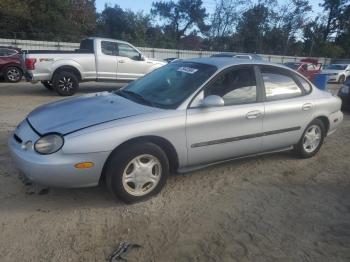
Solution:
(121, 61)
(307, 106)
(253, 114)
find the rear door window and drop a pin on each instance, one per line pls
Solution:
(279, 84)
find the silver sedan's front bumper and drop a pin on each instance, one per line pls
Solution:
(56, 170)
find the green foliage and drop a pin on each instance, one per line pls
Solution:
(180, 16)
(47, 19)
(256, 26)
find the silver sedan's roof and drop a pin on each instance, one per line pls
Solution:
(223, 62)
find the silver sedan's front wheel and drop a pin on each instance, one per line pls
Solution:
(141, 175)
(137, 171)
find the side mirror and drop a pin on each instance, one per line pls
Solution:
(212, 101)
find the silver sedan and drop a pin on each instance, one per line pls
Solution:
(186, 115)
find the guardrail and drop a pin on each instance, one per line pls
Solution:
(157, 53)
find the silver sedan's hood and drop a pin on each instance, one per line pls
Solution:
(73, 114)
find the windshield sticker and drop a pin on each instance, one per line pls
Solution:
(187, 70)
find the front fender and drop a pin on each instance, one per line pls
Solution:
(106, 137)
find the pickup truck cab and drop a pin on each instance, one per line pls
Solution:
(97, 59)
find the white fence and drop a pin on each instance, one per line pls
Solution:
(148, 51)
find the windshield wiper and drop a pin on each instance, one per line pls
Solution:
(140, 98)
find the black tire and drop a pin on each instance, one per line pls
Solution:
(65, 83)
(47, 85)
(13, 74)
(300, 149)
(120, 160)
(341, 79)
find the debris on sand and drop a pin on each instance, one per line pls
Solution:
(32, 188)
(123, 248)
(37, 189)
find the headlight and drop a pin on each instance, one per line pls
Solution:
(49, 144)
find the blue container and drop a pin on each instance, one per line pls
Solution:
(320, 81)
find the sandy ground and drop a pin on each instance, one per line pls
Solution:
(271, 208)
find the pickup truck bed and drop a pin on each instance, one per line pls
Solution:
(77, 51)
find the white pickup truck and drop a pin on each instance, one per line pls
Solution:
(97, 59)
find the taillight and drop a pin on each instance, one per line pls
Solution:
(30, 63)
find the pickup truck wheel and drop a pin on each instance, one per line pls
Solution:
(48, 85)
(137, 171)
(65, 83)
(13, 74)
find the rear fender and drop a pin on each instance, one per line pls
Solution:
(66, 64)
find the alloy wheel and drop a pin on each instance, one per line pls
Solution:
(65, 83)
(312, 138)
(141, 175)
(13, 75)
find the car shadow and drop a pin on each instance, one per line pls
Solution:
(100, 197)
(273, 156)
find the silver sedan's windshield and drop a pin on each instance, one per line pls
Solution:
(168, 86)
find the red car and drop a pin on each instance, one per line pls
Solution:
(307, 67)
(10, 65)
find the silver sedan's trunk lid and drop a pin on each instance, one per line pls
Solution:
(73, 114)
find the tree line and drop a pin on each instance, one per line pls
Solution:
(290, 27)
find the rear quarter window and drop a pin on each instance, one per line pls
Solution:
(87, 44)
(307, 87)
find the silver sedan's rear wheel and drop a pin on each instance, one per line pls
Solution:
(137, 171)
(311, 140)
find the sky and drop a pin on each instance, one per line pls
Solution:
(145, 5)
(134, 5)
